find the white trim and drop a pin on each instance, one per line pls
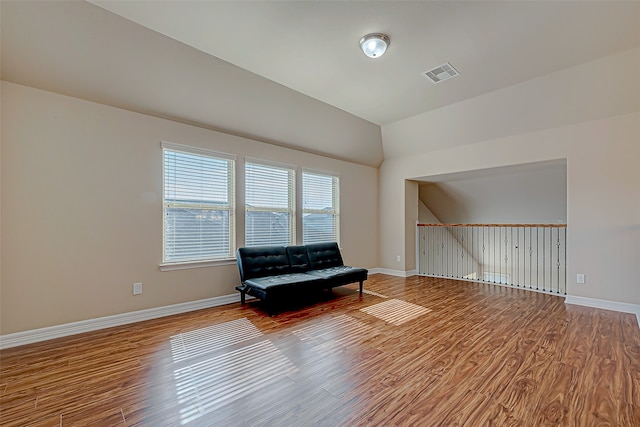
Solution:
(320, 172)
(622, 307)
(167, 265)
(270, 163)
(196, 150)
(390, 272)
(57, 331)
(171, 266)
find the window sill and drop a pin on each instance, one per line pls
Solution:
(196, 264)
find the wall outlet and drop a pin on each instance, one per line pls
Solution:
(580, 278)
(137, 288)
(398, 258)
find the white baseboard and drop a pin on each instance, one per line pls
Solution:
(588, 302)
(622, 307)
(58, 331)
(391, 272)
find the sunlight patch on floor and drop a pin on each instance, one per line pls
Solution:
(375, 294)
(395, 311)
(215, 382)
(206, 340)
(339, 330)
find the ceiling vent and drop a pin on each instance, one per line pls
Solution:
(441, 73)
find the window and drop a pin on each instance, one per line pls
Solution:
(198, 203)
(320, 208)
(270, 204)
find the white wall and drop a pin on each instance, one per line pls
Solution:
(603, 196)
(82, 213)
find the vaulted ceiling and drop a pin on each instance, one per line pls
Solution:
(312, 46)
(291, 73)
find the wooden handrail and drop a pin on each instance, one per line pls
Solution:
(494, 225)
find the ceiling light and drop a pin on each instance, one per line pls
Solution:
(374, 45)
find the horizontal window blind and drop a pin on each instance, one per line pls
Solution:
(320, 208)
(198, 200)
(270, 205)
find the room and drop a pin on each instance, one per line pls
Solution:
(91, 90)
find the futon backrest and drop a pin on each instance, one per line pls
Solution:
(298, 259)
(261, 261)
(324, 255)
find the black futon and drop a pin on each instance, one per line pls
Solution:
(274, 272)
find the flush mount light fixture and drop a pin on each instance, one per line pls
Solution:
(375, 44)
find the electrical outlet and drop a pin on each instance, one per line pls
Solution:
(137, 288)
(580, 278)
(398, 258)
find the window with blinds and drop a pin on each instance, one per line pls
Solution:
(198, 201)
(320, 208)
(270, 204)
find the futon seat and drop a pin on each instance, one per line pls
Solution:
(271, 272)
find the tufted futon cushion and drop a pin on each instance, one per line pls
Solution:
(261, 261)
(270, 272)
(324, 255)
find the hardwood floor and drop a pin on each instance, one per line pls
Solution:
(415, 351)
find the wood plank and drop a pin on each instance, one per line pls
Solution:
(479, 355)
(553, 404)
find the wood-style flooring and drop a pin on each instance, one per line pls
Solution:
(410, 351)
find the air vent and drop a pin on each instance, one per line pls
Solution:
(441, 73)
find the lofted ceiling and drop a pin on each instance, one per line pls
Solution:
(312, 46)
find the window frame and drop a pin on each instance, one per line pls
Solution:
(230, 207)
(291, 198)
(335, 196)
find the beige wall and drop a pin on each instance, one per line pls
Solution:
(425, 216)
(1, 185)
(536, 194)
(411, 219)
(603, 195)
(570, 96)
(82, 214)
(79, 49)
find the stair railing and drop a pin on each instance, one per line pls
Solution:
(530, 256)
